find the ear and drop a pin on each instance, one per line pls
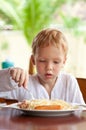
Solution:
(32, 59)
(65, 58)
(64, 61)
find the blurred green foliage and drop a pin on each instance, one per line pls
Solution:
(31, 16)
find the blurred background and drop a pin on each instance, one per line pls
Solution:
(21, 20)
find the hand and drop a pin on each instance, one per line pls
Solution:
(20, 76)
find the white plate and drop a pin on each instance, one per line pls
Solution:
(45, 113)
(48, 113)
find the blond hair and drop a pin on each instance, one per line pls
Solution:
(47, 37)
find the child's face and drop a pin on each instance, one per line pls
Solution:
(49, 61)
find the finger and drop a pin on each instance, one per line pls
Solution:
(18, 75)
(13, 73)
(26, 81)
(22, 78)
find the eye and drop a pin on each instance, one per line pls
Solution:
(56, 62)
(41, 60)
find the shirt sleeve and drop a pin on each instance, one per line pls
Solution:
(6, 82)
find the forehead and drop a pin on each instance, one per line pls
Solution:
(50, 51)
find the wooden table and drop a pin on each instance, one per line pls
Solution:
(12, 119)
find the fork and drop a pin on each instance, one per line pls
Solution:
(30, 93)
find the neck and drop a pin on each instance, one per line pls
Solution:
(48, 85)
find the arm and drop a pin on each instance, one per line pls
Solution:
(10, 78)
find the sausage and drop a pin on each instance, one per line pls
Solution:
(48, 107)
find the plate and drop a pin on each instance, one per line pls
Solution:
(46, 113)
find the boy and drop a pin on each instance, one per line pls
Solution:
(49, 54)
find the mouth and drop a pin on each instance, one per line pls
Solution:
(48, 75)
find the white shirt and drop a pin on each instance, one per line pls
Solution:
(66, 88)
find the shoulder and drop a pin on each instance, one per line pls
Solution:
(69, 81)
(67, 76)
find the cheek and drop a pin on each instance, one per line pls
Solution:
(58, 68)
(39, 67)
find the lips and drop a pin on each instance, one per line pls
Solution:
(48, 75)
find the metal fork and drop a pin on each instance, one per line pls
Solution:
(30, 93)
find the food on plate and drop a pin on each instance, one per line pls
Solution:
(48, 107)
(44, 104)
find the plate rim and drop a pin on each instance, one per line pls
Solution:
(44, 113)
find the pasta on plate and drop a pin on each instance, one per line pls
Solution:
(44, 104)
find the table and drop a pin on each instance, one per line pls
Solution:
(12, 119)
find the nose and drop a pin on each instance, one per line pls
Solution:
(49, 66)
